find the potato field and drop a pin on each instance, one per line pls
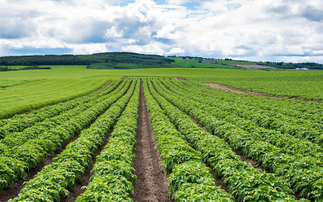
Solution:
(162, 139)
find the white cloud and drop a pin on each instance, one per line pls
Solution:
(112, 32)
(152, 48)
(261, 30)
(175, 51)
(88, 48)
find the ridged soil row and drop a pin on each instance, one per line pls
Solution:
(18, 186)
(151, 184)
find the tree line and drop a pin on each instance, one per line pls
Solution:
(112, 58)
(5, 69)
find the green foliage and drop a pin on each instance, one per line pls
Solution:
(113, 174)
(283, 136)
(30, 152)
(189, 172)
(19, 123)
(246, 183)
(111, 59)
(184, 164)
(202, 192)
(282, 65)
(114, 167)
(4, 69)
(38, 93)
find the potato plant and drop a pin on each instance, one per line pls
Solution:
(54, 180)
(113, 174)
(273, 191)
(187, 171)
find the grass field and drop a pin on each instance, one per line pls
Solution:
(25, 90)
(22, 91)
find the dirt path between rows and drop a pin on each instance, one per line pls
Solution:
(179, 79)
(103, 87)
(151, 184)
(227, 88)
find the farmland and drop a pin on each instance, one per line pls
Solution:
(138, 135)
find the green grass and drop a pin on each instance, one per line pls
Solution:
(65, 66)
(22, 91)
(122, 66)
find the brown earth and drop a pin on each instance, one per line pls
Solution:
(151, 184)
(103, 86)
(180, 79)
(227, 88)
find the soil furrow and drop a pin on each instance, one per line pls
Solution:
(151, 184)
(243, 158)
(179, 79)
(103, 87)
(218, 181)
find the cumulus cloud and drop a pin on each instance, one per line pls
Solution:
(243, 29)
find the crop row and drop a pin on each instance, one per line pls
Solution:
(20, 122)
(303, 173)
(301, 128)
(189, 178)
(288, 143)
(19, 138)
(288, 84)
(54, 180)
(18, 159)
(113, 174)
(245, 182)
(303, 110)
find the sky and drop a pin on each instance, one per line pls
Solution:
(262, 30)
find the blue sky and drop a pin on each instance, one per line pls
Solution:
(276, 30)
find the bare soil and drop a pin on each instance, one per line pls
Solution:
(103, 87)
(227, 88)
(151, 184)
(180, 79)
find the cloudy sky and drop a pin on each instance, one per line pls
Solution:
(262, 30)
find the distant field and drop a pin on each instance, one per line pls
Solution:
(65, 66)
(22, 91)
(252, 66)
(25, 90)
(208, 63)
(305, 85)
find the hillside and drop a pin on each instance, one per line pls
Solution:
(127, 60)
(112, 60)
